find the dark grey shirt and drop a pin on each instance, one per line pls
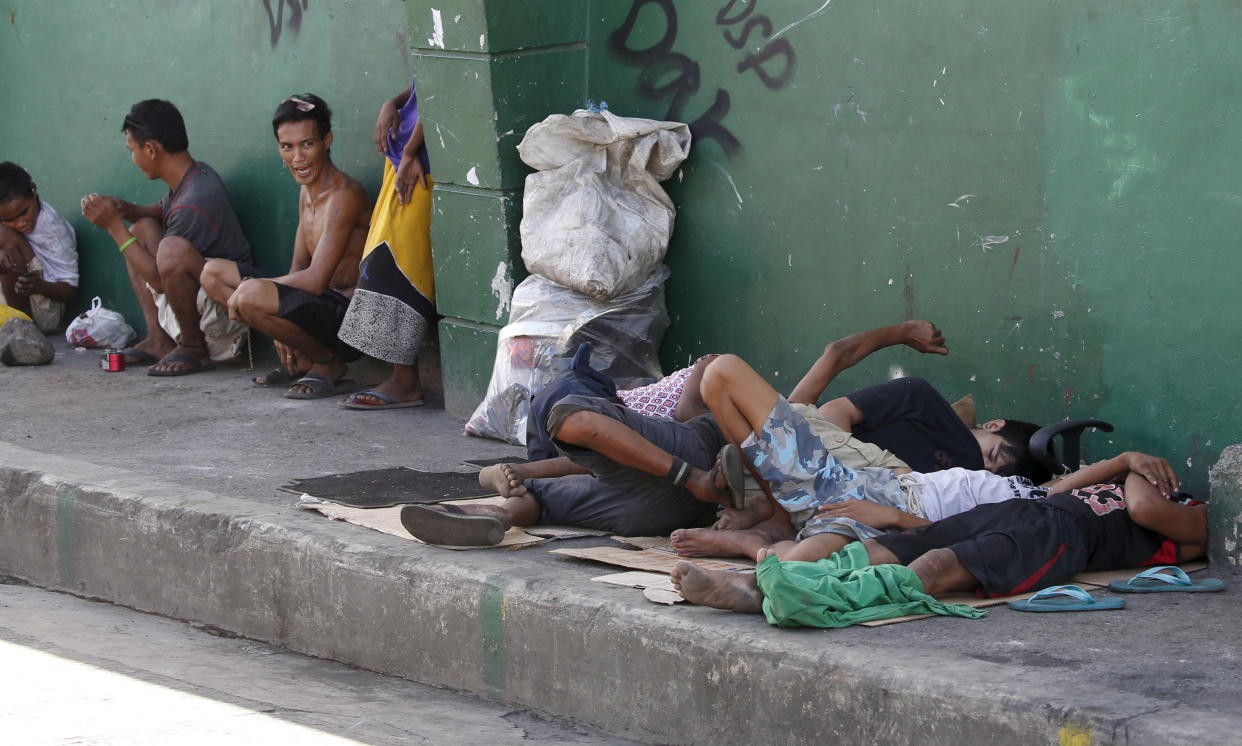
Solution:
(198, 210)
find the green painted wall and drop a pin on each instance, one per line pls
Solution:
(1050, 182)
(1090, 271)
(74, 67)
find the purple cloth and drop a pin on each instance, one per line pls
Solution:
(407, 119)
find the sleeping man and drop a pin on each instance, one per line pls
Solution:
(998, 549)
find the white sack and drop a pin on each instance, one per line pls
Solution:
(595, 218)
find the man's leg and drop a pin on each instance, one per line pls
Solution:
(738, 397)
(509, 479)
(258, 303)
(613, 439)
(180, 265)
(938, 570)
(141, 267)
(437, 524)
(691, 403)
(220, 277)
(739, 542)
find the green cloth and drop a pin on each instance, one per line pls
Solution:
(845, 589)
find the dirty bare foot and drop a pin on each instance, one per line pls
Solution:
(707, 542)
(719, 589)
(758, 509)
(505, 479)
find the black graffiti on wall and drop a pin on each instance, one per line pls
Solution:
(277, 21)
(667, 74)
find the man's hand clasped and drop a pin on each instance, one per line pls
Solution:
(102, 211)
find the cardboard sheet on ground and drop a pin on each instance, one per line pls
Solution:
(646, 559)
(388, 521)
(381, 488)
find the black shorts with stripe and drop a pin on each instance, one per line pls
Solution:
(1009, 547)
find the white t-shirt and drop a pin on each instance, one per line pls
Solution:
(952, 491)
(56, 245)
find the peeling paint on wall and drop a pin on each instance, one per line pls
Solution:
(437, 30)
(502, 288)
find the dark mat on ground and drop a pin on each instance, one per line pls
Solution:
(381, 488)
(483, 463)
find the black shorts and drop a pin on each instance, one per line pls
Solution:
(251, 272)
(318, 315)
(1010, 547)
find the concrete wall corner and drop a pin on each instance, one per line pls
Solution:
(1225, 511)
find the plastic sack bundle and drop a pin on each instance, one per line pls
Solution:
(99, 327)
(595, 218)
(549, 321)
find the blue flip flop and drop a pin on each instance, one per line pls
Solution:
(1066, 598)
(1165, 579)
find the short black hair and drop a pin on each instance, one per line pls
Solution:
(301, 107)
(158, 120)
(1017, 436)
(14, 182)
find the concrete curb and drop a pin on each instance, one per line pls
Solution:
(474, 623)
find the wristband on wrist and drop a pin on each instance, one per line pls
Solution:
(125, 245)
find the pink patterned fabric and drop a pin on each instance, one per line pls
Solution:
(657, 399)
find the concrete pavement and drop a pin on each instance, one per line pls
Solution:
(160, 495)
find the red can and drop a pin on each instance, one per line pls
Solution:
(112, 361)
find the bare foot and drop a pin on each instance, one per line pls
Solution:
(504, 479)
(758, 509)
(719, 589)
(706, 542)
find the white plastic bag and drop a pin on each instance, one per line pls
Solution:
(99, 327)
(595, 218)
(225, 337)
(548, 321)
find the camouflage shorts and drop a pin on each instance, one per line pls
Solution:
(804, 476)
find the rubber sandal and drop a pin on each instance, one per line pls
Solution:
(351, 401)
(1066, 598)
(1165, 579)
(320, 387)
(451, 526)
(730, 467)
(197, 365)
(135, 358)
(274, 377)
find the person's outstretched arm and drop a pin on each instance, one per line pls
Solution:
(847, 352)
(1156, 471)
